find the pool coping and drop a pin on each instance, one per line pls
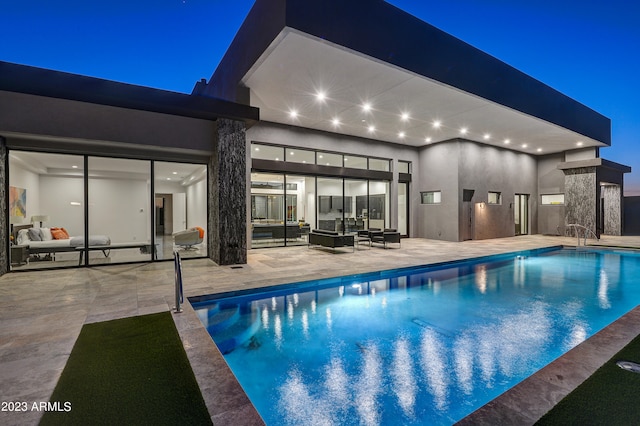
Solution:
(523, 404)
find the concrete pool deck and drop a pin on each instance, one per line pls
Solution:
(42, 312)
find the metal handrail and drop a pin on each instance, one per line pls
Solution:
(577, 227)
(177, 263)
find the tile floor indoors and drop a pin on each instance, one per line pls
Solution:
(42, 312)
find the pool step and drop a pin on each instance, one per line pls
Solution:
(222, 319)
(238, 333)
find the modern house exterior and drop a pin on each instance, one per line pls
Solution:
(328, 115)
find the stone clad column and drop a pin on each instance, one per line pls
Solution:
(612, 196)
(581, 195)
(227, 236)
(4, 220)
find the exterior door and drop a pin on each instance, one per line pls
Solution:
(521, 213)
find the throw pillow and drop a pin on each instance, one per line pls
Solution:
(34, 234)
(45, 233)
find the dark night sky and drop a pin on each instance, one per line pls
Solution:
(588, 50)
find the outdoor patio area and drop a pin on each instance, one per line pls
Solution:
(42, 312)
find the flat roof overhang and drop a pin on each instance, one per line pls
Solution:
(56, 84)
(368, 51)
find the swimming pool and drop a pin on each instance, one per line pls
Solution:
(418, 345)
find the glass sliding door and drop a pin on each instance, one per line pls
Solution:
(356, 202)
(46, 209)
(301, 210)
(120, 213)
(180, 209)
(330, 204)
(403, 208)
(267, 210)
(521, 214)
(378, 204)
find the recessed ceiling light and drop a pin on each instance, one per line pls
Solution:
(174, 173)
(404, 116)
(437, 124)
(335, 122)
(427, 140)
(257, 149)
(401, 135)
(74, 167)
(320, 156)
(463, 131)
(580, 143)
(168, 178)
(321, 96)
(366, 107)
(507, 141)
(293, 113)
(539, 149)
(372, 129)
(524, 145)
(291, 153)
(277, 158)
(487, 136)
(304, 161)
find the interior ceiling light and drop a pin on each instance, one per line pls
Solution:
(507, 141)
(427, 140)
(335, 122)
(174, 173)
(401, 135)
(291, 153)
(487, 136)
(372, 129)
(293, 113)
(524, 145)
(257, 149)
(404, 116)
(74, 167)
(321, 96)
(437, 124)
(366, 107)
(580, 143)
(539, 149)
(463, 131)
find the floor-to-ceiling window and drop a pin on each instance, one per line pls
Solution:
(86, 210)
(296, 190)
(180, 209)
(331, 204)
(378, 204)
(46, 209)
(300, 208)
(267, 210)
(119, 210)
(356, 214)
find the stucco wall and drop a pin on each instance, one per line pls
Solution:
(4, 261)
(438, 171)
(462, 165)
(58, 118)
(550, 181)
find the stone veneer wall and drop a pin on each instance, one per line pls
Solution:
(612, 209)
(4, 226)
(227, 238)
(580, 197)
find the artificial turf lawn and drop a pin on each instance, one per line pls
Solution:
(131, 371)
(608, 397)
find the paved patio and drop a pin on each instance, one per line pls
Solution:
(41, 314)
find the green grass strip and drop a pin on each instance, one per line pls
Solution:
(608, 397)
(128, 371)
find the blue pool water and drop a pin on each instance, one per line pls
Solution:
(420, 345)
